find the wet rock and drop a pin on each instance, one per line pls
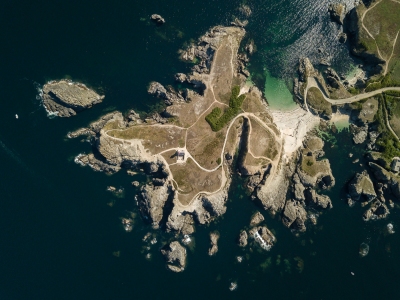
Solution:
(157, 19)
(364, 249)
(342, 37)
(175, 255)
(242, 240)
(214, 236)
(294, 216)
(337, 12)
(361, 187)
(263, 236)
(256, 219)
(135, 183)
(378, 210)
(245, 10)
(318, 201)
(65, 98)
(180, 77)
(239, 23)
(250, 48)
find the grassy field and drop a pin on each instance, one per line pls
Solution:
(155, 138)
(190, 180)
(316, 100)
(393, 108)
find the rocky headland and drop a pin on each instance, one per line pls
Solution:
(65, 98)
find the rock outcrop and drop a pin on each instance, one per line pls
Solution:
(242, 239)
(214, 236)
(294, 215)
(157, 19)
(263, 236)
(65, 98)
(318, 201)
(337, 12)
(256, 219)
(175, 255)
(377, 211)
(151, 202)
(361, 187)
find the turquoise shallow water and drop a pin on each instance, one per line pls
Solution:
(58, 233)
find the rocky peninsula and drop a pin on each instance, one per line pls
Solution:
(220, 124)
(65, 98)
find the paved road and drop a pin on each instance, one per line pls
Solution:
(313, 83)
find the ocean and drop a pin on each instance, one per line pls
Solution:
(61, 233)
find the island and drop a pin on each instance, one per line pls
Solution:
(221, 124)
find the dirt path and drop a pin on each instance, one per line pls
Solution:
(391, 55)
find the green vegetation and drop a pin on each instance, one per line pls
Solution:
(216, 121)
(384, 81)
(316, 100)
(219, 160)
(390, 146)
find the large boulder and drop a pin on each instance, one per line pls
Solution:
(151, 202)
(242, 239)
(294, 216)
(175, 255)
(157, 19)
(361, 187)
(65, 98)
(256, 219)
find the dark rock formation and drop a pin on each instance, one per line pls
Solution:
(342, 37)
(65, 98)
(175, 255)
(361, 187)
(318, 201)
(378, 210)
(242, 240)
(157, 19)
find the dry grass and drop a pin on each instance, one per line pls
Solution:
(311, 166)
(262, 142)
(190, 180)
(204, 144)
(393, 106)
(233, 139)
(383, 22)
(156, 138)
(316, 100)
(170, 157)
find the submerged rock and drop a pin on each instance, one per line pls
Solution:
(364, 249)
(175, 255)
(214, 236)
(65, 98)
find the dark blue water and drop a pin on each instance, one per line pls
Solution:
(58, 233)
